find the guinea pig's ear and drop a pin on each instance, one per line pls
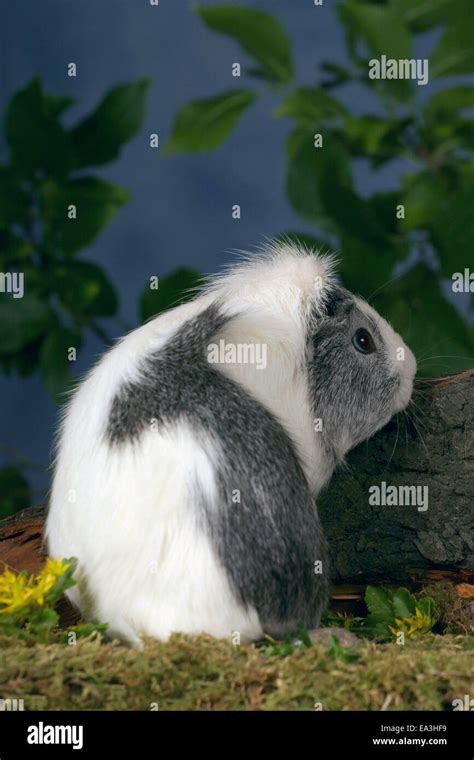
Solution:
(338, 303)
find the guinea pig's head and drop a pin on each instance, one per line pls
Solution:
(360, 371)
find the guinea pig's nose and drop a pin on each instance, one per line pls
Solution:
(410, 362)
(405, 357)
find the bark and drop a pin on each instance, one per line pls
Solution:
(22, 548)
(401, 543)
(372, 544)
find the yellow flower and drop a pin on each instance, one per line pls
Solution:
(17, 592)
(14, 591)
(46, 579)
(417, 623)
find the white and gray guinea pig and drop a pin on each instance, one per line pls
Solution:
(187, 471)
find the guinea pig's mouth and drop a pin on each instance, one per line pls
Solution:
(405, 377)
(403, 393)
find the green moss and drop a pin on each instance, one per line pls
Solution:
(454, 613)
(202, 673)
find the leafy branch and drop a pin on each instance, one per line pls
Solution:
(423, 228)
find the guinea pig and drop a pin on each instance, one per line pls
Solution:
(190, 458)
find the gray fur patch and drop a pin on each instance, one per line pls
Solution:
(269, 542)
(350, 392)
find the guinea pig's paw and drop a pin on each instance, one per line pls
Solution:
(126, 635)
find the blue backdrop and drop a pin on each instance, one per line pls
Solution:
(180, 213)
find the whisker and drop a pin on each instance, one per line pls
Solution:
(394, 446)
(405, 418)
(414, 421)
(381, 287)
(423, 397)
(422, 394)
(445, 356)
(426, 351)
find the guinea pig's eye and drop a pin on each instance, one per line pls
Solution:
(363, 341)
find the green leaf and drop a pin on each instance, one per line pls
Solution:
(54, 361)
(44, 620)
(14, 492)
(423, 195)
(379, 26)
(119, 116)
(259, 34)
(337, 74)
(383, 32)
(380, 606)
(462, 172)
(374, 138)
(35, 137)
(319, 187)
(24, 362)
(57, 104)
(14, 201)
(421, 15)
(379, 603)
(404, 603)
(365, 267)
(427, 605)
(463, 133)
(452, 231)
(15, 251)
(305, 638)
(337, 651)
(84, 289)
(22, 320)
(447, 103)
(454, 53)
(279, 649)
(64, 581)
(353, 215)
(96, 202)
(384, 205)
(418, 309)
(307, 166)
(204, 124)
(310, 105)
(367, 132)
(86, 629)
(172, 289)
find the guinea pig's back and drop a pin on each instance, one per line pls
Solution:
(182, 496)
